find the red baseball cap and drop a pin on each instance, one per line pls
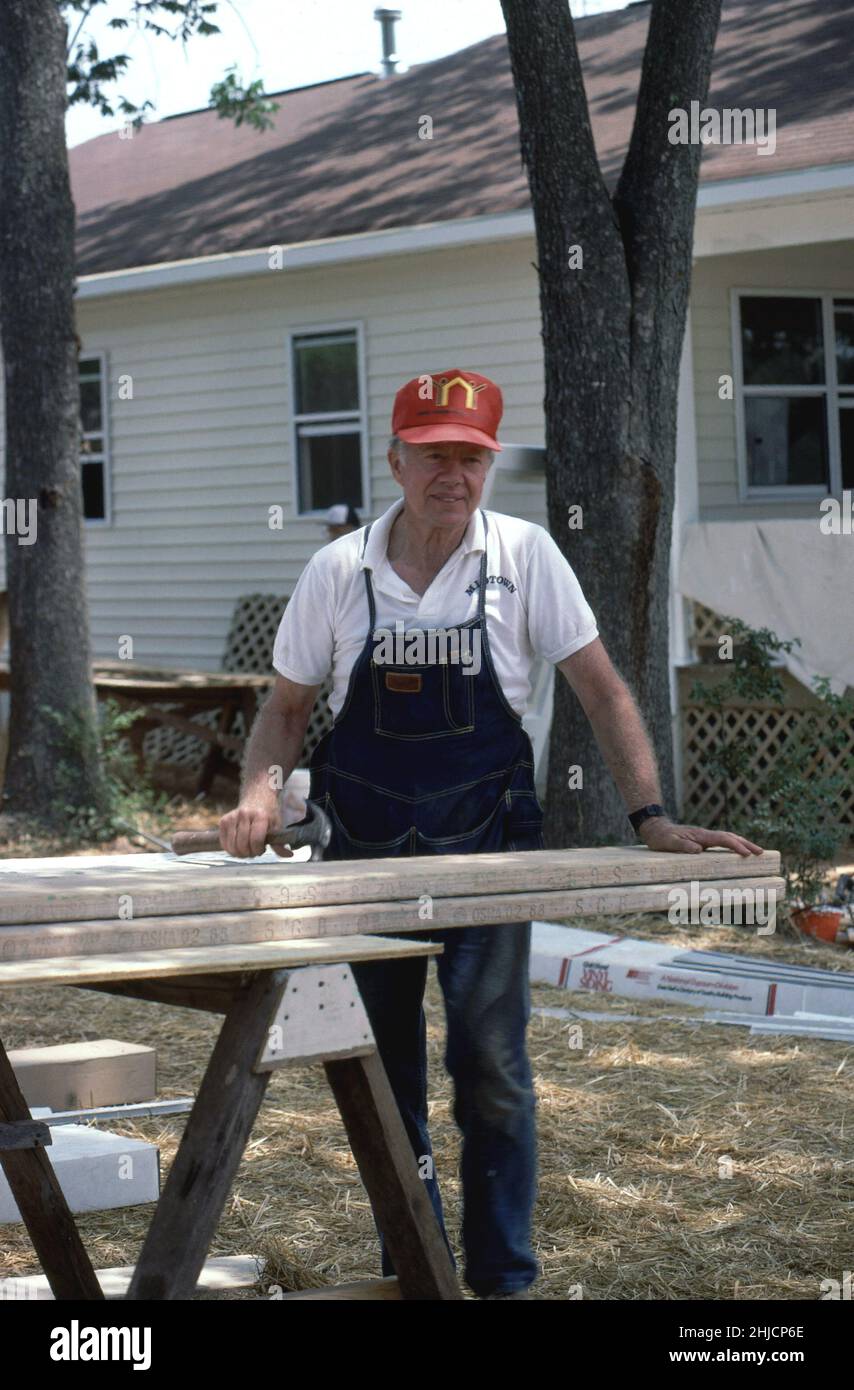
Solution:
(449, 405)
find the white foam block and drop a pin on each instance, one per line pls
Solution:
(96, 1171)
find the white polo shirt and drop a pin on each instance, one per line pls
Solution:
(534, 604)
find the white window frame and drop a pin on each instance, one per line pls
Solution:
(103, 458)
(829, 391)
(344, 419)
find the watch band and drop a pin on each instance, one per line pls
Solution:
(638, 817)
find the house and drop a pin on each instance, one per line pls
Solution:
(249, 303)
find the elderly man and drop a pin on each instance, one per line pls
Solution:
(428, 756)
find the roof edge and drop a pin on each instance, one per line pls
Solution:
(714, 196)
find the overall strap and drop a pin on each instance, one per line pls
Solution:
(372, 608)
(481, 593)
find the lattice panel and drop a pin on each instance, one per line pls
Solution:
(704, 797)
(254, 623)
(708, 626)
(177, 749)
(318, 724)
(248, 647)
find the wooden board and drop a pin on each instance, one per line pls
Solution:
(212, 1145)
(200, 960)
(131, 676)
(36, 1190)
(102, 887)
(111, 676)
(361, 1291)
(400, 1203)
(32, 942)
(23, 1134)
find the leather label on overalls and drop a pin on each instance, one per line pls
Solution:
(404, 683)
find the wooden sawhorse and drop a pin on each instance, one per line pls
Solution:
(77, 904)
(283, 1002)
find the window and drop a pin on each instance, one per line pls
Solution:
(794, 356)
(93, 443)
(329, 427)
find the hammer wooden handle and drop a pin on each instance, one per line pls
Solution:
(191, 841)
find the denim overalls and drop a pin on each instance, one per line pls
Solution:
(425, 759)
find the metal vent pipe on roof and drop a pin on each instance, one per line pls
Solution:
(388, 19)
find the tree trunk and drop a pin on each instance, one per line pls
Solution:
(612, 335)
(53, 765)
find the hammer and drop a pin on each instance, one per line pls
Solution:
(316, 831)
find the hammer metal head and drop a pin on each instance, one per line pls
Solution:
(316, 831)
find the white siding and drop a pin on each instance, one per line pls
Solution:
(829, 266)
(203, 449)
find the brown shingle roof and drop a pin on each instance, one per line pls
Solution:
(344, 156)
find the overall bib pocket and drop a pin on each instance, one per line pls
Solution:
(416, 702)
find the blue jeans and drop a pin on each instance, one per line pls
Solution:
(483, 973)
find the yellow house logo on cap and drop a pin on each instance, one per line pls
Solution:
(444, 384)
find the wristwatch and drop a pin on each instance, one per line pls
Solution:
(638, 817)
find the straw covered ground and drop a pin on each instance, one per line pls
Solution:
(678, 1160)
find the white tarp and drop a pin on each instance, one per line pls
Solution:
(784, 575)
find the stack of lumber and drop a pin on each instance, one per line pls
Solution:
(71, 912)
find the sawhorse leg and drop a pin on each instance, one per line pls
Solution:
(41, 1202)
(216, 1134)
(214, 1140)
(219, 1125)
(388, 1169)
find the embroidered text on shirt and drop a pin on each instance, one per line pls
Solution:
(491, 579)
